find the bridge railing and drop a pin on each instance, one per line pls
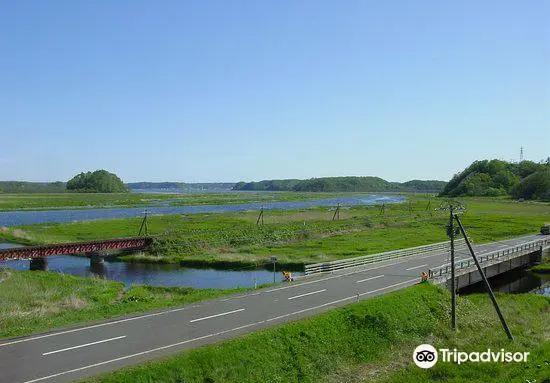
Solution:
(372, 258)
(524, 248)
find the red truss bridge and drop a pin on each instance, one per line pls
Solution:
(32, 252)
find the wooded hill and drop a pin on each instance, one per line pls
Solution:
(100, 181)
(525, 179)
(342, 184)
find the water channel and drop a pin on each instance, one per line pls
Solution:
(153, 274)
(15, 218)
(514, 281)
(517, 281)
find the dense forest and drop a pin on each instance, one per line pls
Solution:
(525, 179)
(31, 187)
(342, 184)
(100, 181)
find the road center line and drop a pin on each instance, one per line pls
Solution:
(215, 315)
(97, 325)
(416, 267)
(303, 295)
(370, 279)
(140, 353)
(340, 300)
(389, 287)
(205, 336)
(357, 271)
(84, 345)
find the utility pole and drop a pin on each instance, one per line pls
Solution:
(453, 206)
(451, 234)
(260, 216)
(489, 290)
(336, 213)
(144, 226)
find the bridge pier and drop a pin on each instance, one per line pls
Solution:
(95, 258)
(545, 253)
(40, 264)
(98, 269)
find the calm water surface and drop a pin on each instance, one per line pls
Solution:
(152, 274)
(15, 218)
(516, 281)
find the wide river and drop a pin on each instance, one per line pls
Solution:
(16, 218)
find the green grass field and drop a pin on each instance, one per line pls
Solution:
(298, 237)
(370, 341)
(33, 301)
(37, 201)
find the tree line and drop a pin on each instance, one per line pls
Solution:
(342, 184)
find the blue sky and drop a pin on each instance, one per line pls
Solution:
(201, 91)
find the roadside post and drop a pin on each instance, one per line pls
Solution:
(273, 260)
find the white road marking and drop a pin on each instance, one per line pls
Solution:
(303, 295)
(370, 279)
(340, 300)
(97, 325)
(207, 336)
(216, 315)
(389, 287)
(140, 353)
(245, 296)
(84, 345)
(190, 307)
(350, 273)
(416, 267)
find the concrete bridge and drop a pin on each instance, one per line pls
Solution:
(494, 258)
(38, 254)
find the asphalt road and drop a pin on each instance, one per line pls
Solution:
(78, 352)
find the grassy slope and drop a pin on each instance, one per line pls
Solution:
(38, 301)
(369, 341)
(46, 201)
(301, 236)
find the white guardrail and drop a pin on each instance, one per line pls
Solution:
(366, 259)
(524, 248)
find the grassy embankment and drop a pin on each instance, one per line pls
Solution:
(371, 340)
(52, 201)
(298, 237)
(33, 301)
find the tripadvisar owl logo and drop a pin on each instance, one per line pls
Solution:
(425, 356)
